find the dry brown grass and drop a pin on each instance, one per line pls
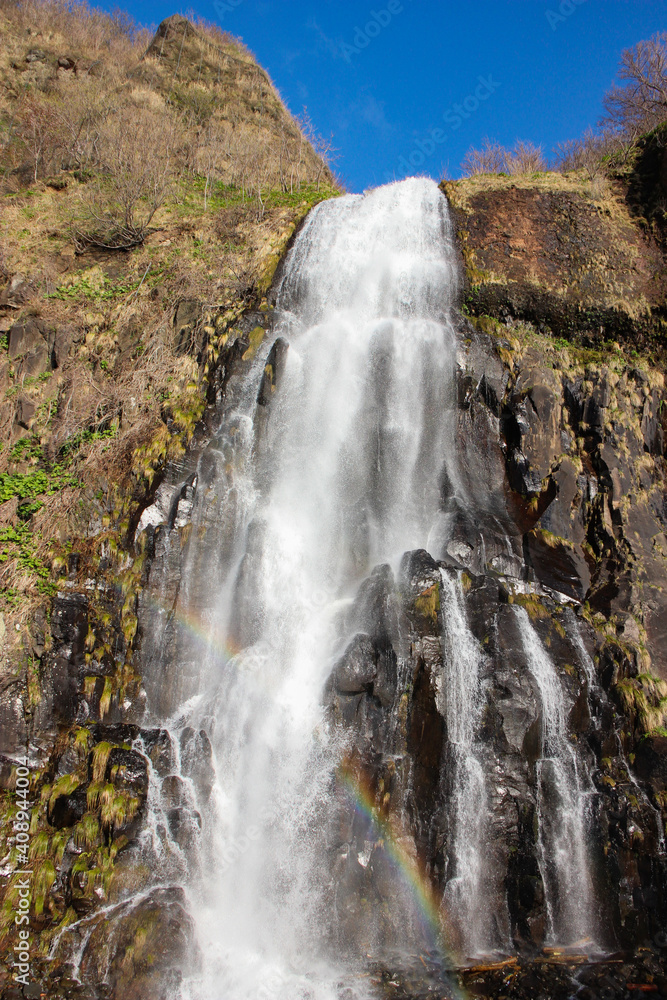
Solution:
(146, 143)
(77, 82)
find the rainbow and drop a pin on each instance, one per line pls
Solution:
(435, 923)
(205, 633)
(392, 838)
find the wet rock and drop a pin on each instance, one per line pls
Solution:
(197, 760)
(558, 564)
(67, 810)
(128, 770)
(173, 791)
(357, 669)
(119, 733)
(367, 667)
(650, 763)
(62, 664)
(149, 950)
(160, 750)
(419, 571)
(184, 826)
(375, 607)
(273, 371)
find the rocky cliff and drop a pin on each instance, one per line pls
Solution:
(115, 371)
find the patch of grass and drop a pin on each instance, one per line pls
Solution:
(27, 449)
(96, 287)
(26, 487)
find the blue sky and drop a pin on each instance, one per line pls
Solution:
(382, 76)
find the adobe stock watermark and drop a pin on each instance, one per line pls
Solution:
(453, 117)
(222, 7)
(20, 879)
(565, 10)
(377, 22)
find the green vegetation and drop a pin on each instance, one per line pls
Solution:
(644, 699)
(30, 485)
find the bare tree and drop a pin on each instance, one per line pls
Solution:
(639, 104)
(525, 158)
(325, 151)
(137, 156)
(38, 130)
(588, 153)
(490, 159)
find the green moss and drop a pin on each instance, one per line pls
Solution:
(256, 338)
(553, 541)
(87, 831)
(43, 878)
(644, 700)
(82, 739)
(100, 760)
(428, 603)
(533, 605)
(63, 786)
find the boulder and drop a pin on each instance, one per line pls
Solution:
(33, 342)
(197, 760)
(128, 770)
(25, 412)
(357, 668)
(17, 292)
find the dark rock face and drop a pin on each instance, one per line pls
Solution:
(62, 665)
(31, 341)
(558, 565)
(555, 526)
(566, 262)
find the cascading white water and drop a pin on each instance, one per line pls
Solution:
(347, 474)
(465, 891)
(562, 795)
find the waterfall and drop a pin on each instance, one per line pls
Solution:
(465, 891)
(292, 511)
(334, 456)
(563, 788)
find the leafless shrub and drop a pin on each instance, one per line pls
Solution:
(88, 31)
(493, 158)
(136, 148)
(252, 144)
(525, 158)
(490, 159)
(325, 151)
(588, 153)
(639, 104)
(38, 130)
